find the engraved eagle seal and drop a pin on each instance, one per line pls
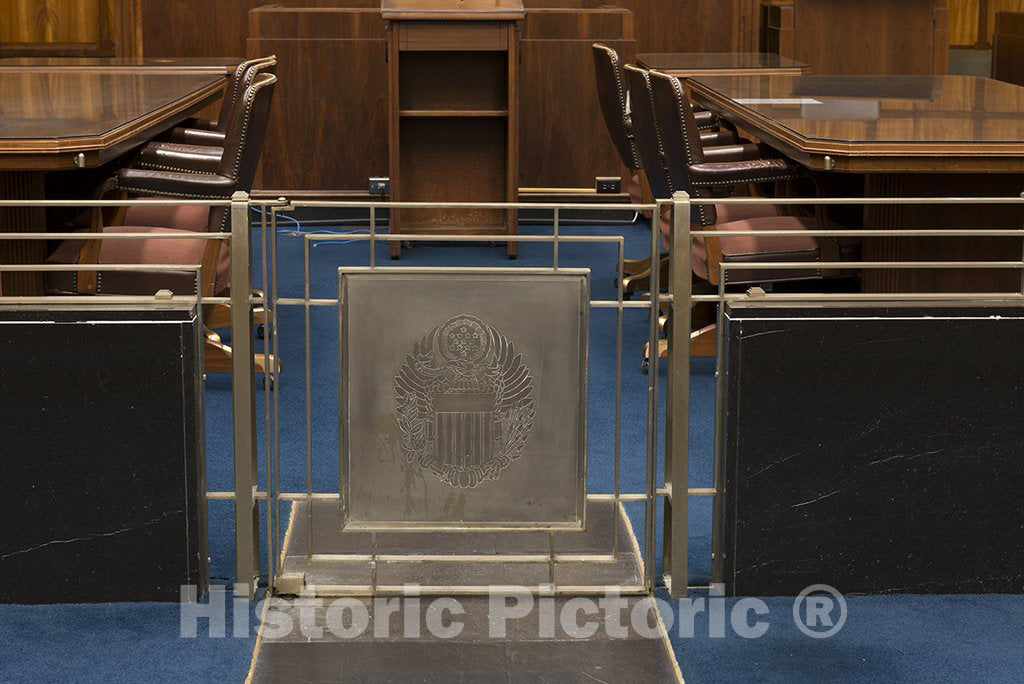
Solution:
(464, 401)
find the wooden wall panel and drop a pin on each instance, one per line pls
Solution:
(869, 37)
(208, 28)
(56, 28)
(328, 126)
(563, 139)
(963, 22)
(1008, 48)
(211, 28)
(972, 22)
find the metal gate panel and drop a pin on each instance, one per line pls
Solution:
(466, 406)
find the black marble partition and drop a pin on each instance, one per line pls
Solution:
(874, 449)
(100, 494)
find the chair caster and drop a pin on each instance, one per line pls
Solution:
(268, 382)
(261, 331)
(645, 367)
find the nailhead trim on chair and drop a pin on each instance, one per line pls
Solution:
(657, 132)
(158, 193)
(705, 184)
(161, 167)
(613, 57)
(690, 157)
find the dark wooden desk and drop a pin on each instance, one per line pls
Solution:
(910, 136)
(56, 119)
(693, 64)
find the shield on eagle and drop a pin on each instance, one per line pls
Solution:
(464, 402)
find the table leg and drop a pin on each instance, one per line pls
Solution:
(22, 185)
(936, 216)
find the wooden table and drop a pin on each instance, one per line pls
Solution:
(53, 119)
(911, 136)
(692, 64)
(134, 65)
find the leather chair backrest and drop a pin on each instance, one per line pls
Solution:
(645, 131)
(680, 137)
(243, 140)
(241, 78)
(611, 93)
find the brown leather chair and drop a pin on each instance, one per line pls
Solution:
(198, 149)
(611, 95)
(665, 128)
(697, 170)
(652, 150)
(211, 131)
(236, 170)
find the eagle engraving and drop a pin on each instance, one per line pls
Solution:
(464, 402)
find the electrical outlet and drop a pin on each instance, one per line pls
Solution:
(609, 185)
(380, 186)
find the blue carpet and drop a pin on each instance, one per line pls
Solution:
(892, 638)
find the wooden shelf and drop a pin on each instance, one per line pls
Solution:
(453, 112)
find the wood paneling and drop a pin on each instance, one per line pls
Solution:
(972, 23)
(212, 28)
(328, 126)
(681, 25)
(1008, 48)
(963, 22)
(564, 142)
(44, 28)
(866, 37)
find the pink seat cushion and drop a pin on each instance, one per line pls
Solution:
(753, 248)
(151, 252)
(727, 213)
(187, 217)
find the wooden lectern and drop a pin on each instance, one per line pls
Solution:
(452, 113)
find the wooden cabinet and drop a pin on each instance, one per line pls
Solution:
(453, 113)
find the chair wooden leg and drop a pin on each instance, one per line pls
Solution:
(217, 357)
(641, 282)
(636, 266)
(218, 316)
(703, 343)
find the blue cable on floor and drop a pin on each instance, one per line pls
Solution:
(299, 231)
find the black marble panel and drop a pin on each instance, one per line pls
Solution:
(874, 449)
(101, 494)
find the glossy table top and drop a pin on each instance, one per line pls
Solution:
(187, 65)
(715, 62)
(941, 116)
(59, 112)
